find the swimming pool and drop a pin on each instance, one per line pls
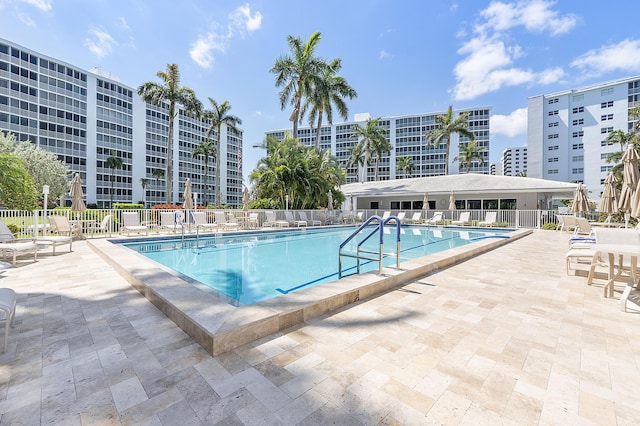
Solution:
(247, 268)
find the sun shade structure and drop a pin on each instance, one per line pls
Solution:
(330, 201)
(580, 201)
(425, 202)
(245, 199)
(77, 202)
(188, 195)
(630, 176)
(452, 201)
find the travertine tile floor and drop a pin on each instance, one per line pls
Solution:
(506, 338)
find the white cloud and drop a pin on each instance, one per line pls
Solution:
(241, 22)
(534, 16)
(44, 5)
(122, 23)
(383, 55)
(100, 43)
(510, 125)
(26, 19)
(621, 56)
(490, 60)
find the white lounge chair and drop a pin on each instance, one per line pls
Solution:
(435, 219)
(104, 225)
(462, 220)
(8, 308)
(14, 247)
(490, 219)
(131, 223)
(200, 221)
(386, 214)
(310, 222)
(292, 220)
(583, 227)
(567, 222)
(271, 221)
(254, 221)
(415, 218)
(223, 222)
(170, 222)
(401, 216)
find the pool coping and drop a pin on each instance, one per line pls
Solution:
(220, 327)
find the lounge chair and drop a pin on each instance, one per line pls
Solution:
(103, 226)
(386, 214)
(310, 222)
(401, 216)
(359, 217)
(254, 221)
(8, 308)
(223, 222)
(292, 220)
(415, 218)
(272, 221)
(567, 222)
(200, 221)
(462, 220)
(61, 225)
(490, 219)
(14, 247)
(583, 226)
(435, 219)
(131, 223)
(170, 222)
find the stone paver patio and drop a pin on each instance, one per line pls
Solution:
(505, 338)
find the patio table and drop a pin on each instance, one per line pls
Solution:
(619, 251)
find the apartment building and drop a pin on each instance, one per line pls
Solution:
(567, 131)
(514, 161)
(406, 134)
(85, 117)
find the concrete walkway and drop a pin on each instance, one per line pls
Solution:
(505, 338)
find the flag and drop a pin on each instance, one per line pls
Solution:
(239, 160)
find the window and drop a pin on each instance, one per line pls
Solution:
(604, 130)
(553, 148)
(553, 136)
(578, 170)
(578, 122)
(577, 98)
(553, 160)
(606, 104)
(554, 112)
(553, 101)
(552, 172)
(395, 205)
(577, 110)
(606, 117)
(578, 134)
(553, 124)
(577, 146)
(606, 168)
(607, 91)
(374, 205)
(577, 158)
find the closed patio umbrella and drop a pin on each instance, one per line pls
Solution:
(77, 203)
(580, 201)
(188, 195)
(608, 201)
(630, 178)
(245, 199)
(425, 202)
(330, 201)
(452, 201)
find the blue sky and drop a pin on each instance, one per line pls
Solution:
(402, 57)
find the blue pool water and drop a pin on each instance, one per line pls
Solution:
(251, 267)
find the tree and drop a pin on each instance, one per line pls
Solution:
(468, 153)
(372, 143)
(170, 91)
(17, 190)
(44, 167)
(446, 126)
(328, 89)
(297, 73)
(619, 137)
(113, 163)
(405, 164)
(158, 174)
(219, 115)
(291, 169)
(144, 182)
(207, 149)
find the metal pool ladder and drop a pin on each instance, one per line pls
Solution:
(362, 254)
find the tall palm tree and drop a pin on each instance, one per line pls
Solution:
(296, 73)
(328, 89)
(372, 143)
(468, 153)
(405, 164)
(219, 115)
(207, 149)
(157, 173)
(144, 182)
(446, 126)
(170, 91)
(113, 163)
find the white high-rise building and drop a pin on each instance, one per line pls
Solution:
(406, 134)
(567, 131)
(85, 117)
(514, 161)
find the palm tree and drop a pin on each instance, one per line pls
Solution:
(144, 182)
(218, 115)
(328, 89)
(468, 153)
(405, 164)
(446, 126)
(157, 173)
(207, 149)
(113, 163)
(170, 91)
(373, 143)
(620, 137)
(296, 74)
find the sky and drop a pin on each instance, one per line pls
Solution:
(402, 57)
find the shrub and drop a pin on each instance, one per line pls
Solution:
(550, 226)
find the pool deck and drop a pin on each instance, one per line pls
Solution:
(503, 338)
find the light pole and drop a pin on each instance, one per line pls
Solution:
(195, 200)
(286, 200)
(45, 191)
